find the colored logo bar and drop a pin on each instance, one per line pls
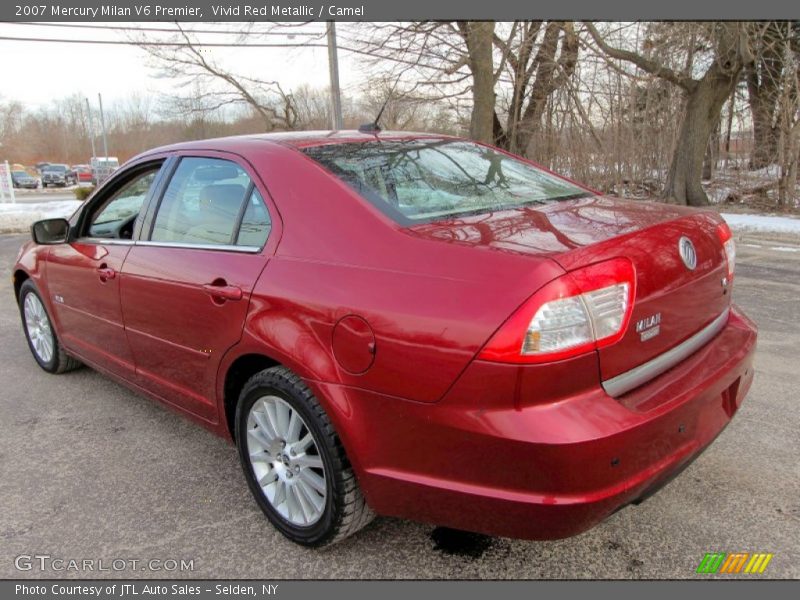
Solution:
(735, 562)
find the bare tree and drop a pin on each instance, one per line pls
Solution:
(726, 46)
(506, 71)
(788, 117)
(478, 37)
(11, 113)
(534, 76)
(764, 79)
(313, 106)
(189, 64)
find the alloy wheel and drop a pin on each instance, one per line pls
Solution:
(286, 462)
(38, 328)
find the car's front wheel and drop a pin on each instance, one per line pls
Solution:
(294, 461)
(42, 339)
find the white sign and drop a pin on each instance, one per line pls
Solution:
(6, 185)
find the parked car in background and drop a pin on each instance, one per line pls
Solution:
(21, 179)
(411, 325)
(103, 167)
(59, 175)
(83, 173)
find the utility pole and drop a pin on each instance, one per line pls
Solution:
(91, 127)
(333, 66)
(103, 125)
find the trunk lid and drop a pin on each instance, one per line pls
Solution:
(672, 301)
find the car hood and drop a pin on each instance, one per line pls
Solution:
(550, 229)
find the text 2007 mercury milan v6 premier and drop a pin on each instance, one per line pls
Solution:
(401, 324)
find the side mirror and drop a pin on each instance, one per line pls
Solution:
(50, 231)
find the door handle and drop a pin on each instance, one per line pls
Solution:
(105, 272)
(223, 292)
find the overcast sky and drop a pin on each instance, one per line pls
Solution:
(38, 72)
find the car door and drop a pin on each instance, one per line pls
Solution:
(186, 284)
(83, 275)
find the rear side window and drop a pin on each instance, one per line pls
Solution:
(256, 223)
(205, 203)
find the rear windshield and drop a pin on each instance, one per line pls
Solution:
(417, 181)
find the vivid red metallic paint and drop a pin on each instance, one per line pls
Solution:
(385, 324)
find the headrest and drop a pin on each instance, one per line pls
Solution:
(223, 197)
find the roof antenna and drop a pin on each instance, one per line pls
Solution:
(374, 127)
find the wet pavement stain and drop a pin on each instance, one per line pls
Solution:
(460, 543)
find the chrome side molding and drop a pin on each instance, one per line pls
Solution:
(625, 382)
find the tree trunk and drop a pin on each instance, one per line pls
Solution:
(763, 88)
(765, 136)
(703, 107)
(479, 38)
(712, 155)
(548, 79)
(731, 107)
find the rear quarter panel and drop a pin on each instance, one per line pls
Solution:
(431, 305)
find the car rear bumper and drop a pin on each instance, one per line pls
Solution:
(505, 453)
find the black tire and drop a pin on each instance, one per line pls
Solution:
(346, 511)
(44, 185)
(60, 362)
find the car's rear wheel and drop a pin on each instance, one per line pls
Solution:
(42, 338)
(294, 461)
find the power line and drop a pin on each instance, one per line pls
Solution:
(198, 44)
(160, 29)
(154, 43)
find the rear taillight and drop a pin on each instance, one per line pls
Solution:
(726, 237)
(585, 309)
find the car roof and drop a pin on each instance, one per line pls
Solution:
(295, 139)
(303, 139)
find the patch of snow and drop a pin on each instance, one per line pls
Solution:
(17, 218)
(719, 194)
(770, 223)
(785, 249)
(768, 172)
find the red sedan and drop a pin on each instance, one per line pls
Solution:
(402, 324)
(83, 173)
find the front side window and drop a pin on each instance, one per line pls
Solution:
(114, 218)
(416, 181)
(203, 203)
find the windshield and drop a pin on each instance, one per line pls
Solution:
(19, 174)
(56, 168)
(416, 181)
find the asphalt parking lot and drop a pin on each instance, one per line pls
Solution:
(90, 470)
